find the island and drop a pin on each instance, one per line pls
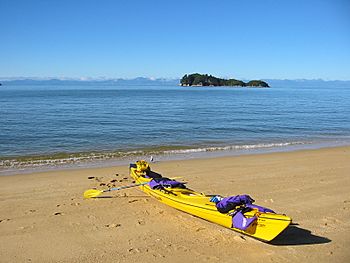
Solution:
(197, 79)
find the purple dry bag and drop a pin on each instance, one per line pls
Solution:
(161, 183)
(229, 203)
(241, 222)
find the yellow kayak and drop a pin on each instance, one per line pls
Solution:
(266, 226)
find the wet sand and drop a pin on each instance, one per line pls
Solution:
(44, 218)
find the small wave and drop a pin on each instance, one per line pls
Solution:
(233, 147)
(67, 159)
(37, 161)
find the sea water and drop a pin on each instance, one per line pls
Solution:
(55, 125)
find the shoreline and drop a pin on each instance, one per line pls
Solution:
(40, 164)
(44, 217)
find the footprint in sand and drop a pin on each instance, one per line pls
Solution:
(112, 225)
(4, 220)
(26, 227)
(200, 229)
(58, 214)
(30, 211)
(181, 248)
(134, 250)
(141, 222)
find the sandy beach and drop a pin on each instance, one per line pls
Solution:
(44, 218)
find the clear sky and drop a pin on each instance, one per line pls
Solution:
(252, 39)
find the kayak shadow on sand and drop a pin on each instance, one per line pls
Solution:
(296, 236)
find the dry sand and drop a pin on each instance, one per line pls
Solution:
(43, 217)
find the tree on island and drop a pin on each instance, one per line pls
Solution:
(197, 79)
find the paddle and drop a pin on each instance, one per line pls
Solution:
(94, 192)
(91, 193)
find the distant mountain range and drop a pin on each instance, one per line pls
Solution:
(302, 83)
(86, 82)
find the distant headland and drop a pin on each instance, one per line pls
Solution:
(197, 79)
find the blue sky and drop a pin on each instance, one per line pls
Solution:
(243, 39)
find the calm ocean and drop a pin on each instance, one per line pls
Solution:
(54, 125)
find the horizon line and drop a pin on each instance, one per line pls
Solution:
(82, 79)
